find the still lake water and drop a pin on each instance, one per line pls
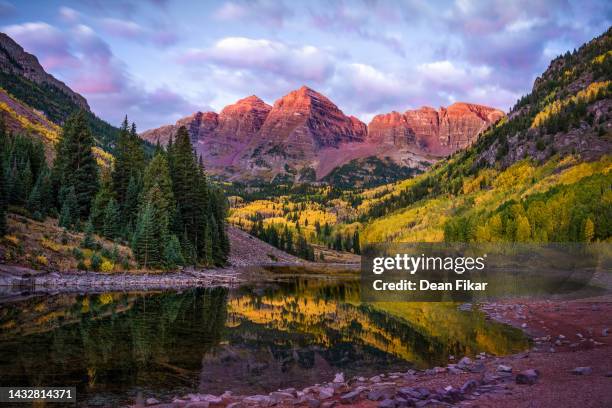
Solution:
(255, 338)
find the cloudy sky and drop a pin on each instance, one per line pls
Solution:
(158, 60)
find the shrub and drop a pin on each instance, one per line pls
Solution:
(81, 266)
(78, 254)
(42, 260)
(96, 262)
(11, 239)
(107, 266)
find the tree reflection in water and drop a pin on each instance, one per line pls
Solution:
(253, 339)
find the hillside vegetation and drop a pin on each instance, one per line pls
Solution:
(542, 174)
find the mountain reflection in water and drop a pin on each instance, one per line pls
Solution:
(256, 338)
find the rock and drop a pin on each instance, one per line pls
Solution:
(375, 379)
(329, 404)
(235, 405)
(528, 377)
(262, 400)
(464, 362)
(350, 397)
(582, 370)
(388, 403)
(381, 393)
(211, 399)
(605, 332)
(151, 401)
(339, 378)
(313, 403)
(504, 368)
(409, 393)
(455, 370)
(278, 396)
(468, 386)
(326, 392)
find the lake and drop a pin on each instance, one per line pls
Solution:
(257, 337)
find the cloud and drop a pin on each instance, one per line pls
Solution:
(265, 12)
(81, 58)
(302, 63)
(161, 36)
(368, 24)
(69, 15)
(46, 42)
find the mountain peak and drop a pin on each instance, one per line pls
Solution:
(249, 103)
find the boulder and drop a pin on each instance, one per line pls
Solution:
(582, 370)
(528, 377)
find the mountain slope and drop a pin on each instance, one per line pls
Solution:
(305, 136)
(543, 174)
(22, 76)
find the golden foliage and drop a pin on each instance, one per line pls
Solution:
(555, 107)
(42, 260)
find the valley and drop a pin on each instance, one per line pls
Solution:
(229, 243)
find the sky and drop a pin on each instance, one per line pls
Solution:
(160, 60)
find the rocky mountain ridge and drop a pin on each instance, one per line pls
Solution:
(15, 60)
(304, 135)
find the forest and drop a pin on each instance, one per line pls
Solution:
(160, 203)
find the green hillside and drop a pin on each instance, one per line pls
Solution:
(542, 174)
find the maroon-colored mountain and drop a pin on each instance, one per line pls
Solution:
(437, 132)
(305, 130)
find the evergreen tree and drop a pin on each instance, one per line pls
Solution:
(75, 165)
(172, 253)
(129, 210)
(89, 242)
(69, 213)
(112, 221)
(151, 240)
(157, 173)
(356, 245)
(145, 243)
(200, 214)
(100, 202)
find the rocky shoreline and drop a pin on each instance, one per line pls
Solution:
(556, 371)
(20, 278)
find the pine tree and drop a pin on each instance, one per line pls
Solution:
(89, 241)
(112, 221)
(356, 245)
(100, 202)
(75, 165)
(129, 210)
(122, 166)
(172, 253)
(157, 173)
(145, 243)
(69, 214)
